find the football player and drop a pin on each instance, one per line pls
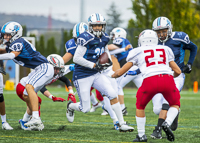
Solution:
(90, 45)
(154, 62)
(5, 125)
(21, 86)
(24, 53)
(70, 50)
(178, 42)
(120, 48)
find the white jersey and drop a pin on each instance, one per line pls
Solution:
(152, 60)
(52, 80)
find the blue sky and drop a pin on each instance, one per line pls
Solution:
(67, 9)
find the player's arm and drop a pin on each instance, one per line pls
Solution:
(78, 57)
(67, 57)
(123, 70)
(193, 51)
(9, 56)
(71, 94)
(112, 47)
(46, 93)
(175, 68)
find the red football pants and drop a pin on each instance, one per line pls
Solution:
(162, 83)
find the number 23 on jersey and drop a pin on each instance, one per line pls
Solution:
(153, 57)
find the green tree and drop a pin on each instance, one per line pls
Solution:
(41, 46)
(114, 18)
(24, 30)
(51, 48)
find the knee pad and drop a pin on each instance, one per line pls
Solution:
(157, 110)
(165, 106)
(1, 97)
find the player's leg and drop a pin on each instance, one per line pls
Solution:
(83, 89)
(159, 109)
(172, 95)
(107, 89)
(35, 82)
(5, 125)
(95, 103)
(144, 94)
(179, 81)
(122, 81)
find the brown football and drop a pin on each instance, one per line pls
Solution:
(103, 58)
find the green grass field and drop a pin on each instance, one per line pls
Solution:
(92, 127)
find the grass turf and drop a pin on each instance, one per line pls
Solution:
(92, 127)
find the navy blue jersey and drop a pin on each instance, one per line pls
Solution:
(70, 46)
(95, 47)
(179, 42)
(122, 43)
(28, 57)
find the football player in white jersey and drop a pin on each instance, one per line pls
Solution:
(120, 48)
(21, 86)
(90, 45)
(178, 42)
(154, 62)
(22, 52)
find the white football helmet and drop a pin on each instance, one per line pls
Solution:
(96, 18)
(147, 37)
(163, 23)
(12, 28)
(118, 32)
(79, 29)
(57, 61)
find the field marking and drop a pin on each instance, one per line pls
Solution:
(61, 139)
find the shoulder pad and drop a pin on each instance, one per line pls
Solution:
(118, 41)
(181, 36)
(70, 43)
(84, 38)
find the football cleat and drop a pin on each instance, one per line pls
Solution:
(70, 113)
(6, 126)
(33, 122)
(37, 128)
(104, 113)
(116, 125)
(125, 128)
(22, 125)
(174, 124)
(93, 109)
(168, 131)
(124, 111)
(140, 139)
(157, 133)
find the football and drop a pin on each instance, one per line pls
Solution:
(103, 58)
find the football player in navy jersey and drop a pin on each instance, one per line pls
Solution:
(24, 53)
(70, 50)
(90, 45)
(178, 42)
